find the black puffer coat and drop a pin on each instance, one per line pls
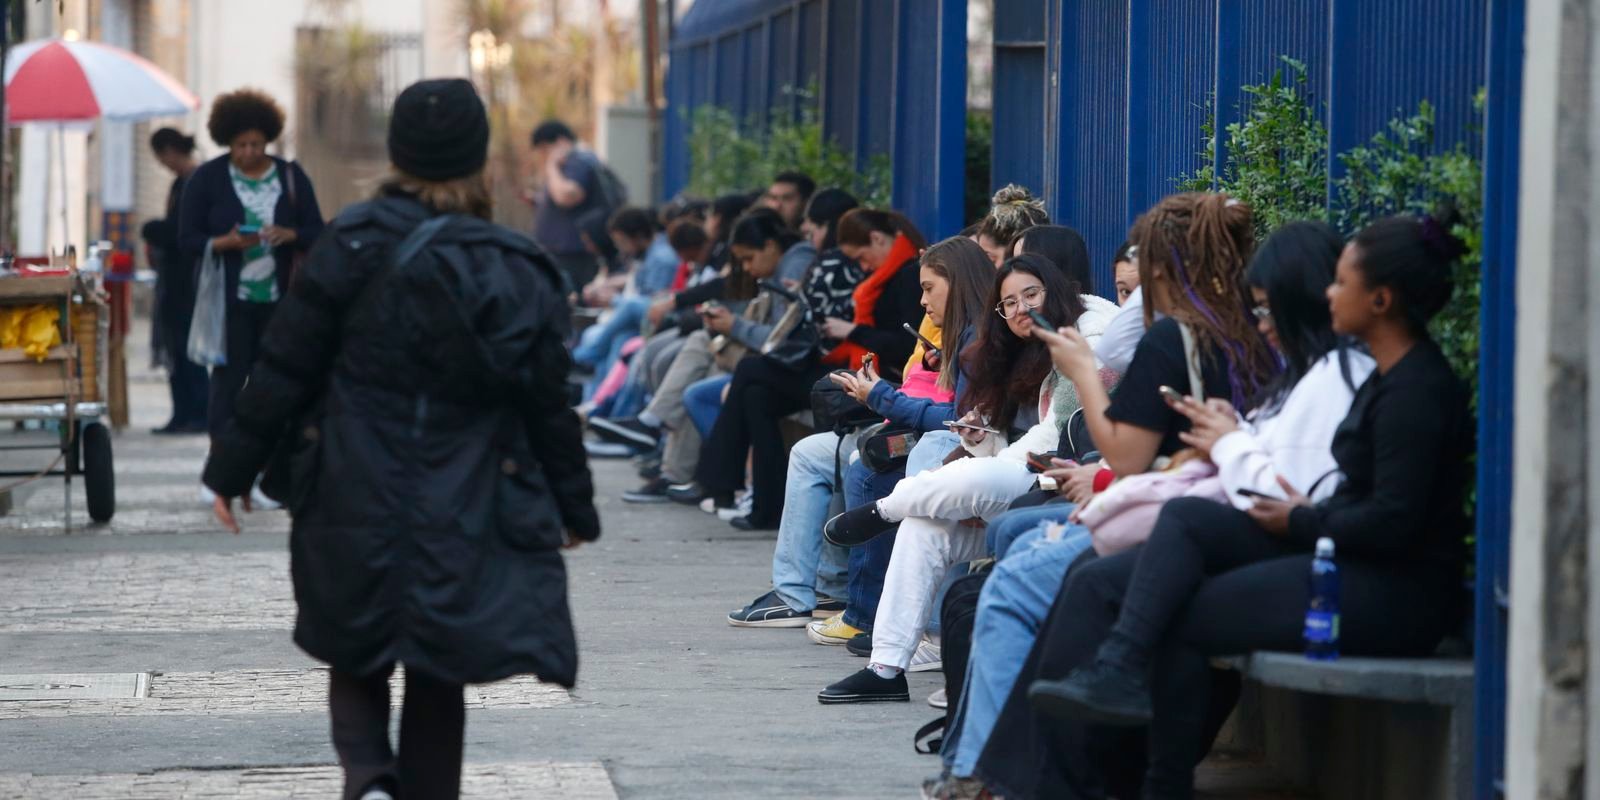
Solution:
(434, 461)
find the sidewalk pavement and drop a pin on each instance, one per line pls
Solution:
(671, 702)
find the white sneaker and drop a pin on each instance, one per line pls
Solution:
(939, 700)
(708, 505)
(926, 659)
(741, 508)
(376, 793)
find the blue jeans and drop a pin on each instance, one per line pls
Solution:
(703, 401)
(803, 563)
(1011, 608)
(1007, 527)
(870, 562)
(600, 346)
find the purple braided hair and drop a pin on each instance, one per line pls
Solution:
(1234, 351)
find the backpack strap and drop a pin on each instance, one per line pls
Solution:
(1191, 357)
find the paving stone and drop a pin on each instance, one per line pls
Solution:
(566, 780)
(261, 692)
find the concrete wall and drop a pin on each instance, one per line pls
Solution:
(1549, 731)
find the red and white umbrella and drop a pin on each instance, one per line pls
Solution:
(63, 82)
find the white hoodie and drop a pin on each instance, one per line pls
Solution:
(1297, 441)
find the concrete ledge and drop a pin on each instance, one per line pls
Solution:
(1435, 681)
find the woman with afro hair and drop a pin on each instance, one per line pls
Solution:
(258, 214)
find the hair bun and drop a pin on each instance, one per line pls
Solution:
(1438, 232)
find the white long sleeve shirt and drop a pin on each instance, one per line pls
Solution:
(1121, 336)
(1297, 441)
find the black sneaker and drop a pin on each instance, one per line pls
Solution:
(689, 494)
(625, 431)
(654, 491)
(860, 646)
(827, 607)
(866, 687)
(650, 470)
(1100, 692)
(856, 527)
(749, 523)
(769, 611)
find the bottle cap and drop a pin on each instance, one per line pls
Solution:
(1324, 547)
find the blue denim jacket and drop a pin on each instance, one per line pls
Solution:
(921, 413)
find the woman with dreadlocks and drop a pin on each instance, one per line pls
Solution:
(1192, 254)
(1015, 210)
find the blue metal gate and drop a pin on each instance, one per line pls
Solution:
(890, 75)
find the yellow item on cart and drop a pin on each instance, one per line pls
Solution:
(35, 329)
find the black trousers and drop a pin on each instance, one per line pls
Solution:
(761, 394)
(187, 381)
(432, 727)
(1208, 583)
(247, 323)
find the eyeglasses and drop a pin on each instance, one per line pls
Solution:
(1262, 313)
(1030, 298)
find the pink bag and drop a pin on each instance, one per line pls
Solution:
(1124, 514)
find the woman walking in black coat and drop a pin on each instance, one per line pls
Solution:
(411, 385)
(256, 212)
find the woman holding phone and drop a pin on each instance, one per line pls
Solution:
(259, 215)
(955, 277)
(1013, 386)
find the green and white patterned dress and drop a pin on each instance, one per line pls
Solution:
(258, 280)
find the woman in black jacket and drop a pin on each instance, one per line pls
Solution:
(175, 289)
(414, 374)
(1216, 581)
(256, 212)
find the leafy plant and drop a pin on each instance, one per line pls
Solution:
(1400, 171)
(730, 155)
(1277, 153)
(979, 163)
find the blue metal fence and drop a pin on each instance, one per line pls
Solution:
(890, 77)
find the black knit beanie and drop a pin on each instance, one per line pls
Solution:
(439, 130)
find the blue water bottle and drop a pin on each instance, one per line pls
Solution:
(1322, 617)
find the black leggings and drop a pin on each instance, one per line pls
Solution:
(1209, 582)
(246, 324)
(761, 394)
(432, 726)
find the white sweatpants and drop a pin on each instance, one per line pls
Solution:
(931, 506)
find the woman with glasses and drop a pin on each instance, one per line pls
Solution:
(940, 512)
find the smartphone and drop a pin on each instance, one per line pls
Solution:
(953, 424)
(1038, 319)
(926, 345)
(1039, 462)
(707, 306)
(1255, 495)
(1170, 394)
(1048, 483)
(866, 361)
(249, 230)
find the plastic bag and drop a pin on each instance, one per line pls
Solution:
(208, 328)
(35, 329)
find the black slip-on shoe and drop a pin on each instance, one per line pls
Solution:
(769, 611)
(861, 646)
(653, 491)
(856, 527)
(866, 687)
(749, 523)
(625, 431)
(689, 494)
(1100, 692)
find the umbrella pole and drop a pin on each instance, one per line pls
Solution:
(61, 166)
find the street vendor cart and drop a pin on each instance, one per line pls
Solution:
(55, 373)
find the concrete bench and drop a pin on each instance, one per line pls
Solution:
(1372, 727)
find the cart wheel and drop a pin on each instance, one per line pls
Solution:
(98, 479)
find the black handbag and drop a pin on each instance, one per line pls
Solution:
(795, 343)
(834, 411)
(885, 447)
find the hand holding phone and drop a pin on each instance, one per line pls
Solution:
(1170, 395)
(1255, 495)
(249, 230)
(1039, 320)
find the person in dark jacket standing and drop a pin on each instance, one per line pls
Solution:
(256, 212)
(410, 386)
(175, 288)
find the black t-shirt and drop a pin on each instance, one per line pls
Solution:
(556, 228)
(1159, 361)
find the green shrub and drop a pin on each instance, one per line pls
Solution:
(979, 164)
(730, 155)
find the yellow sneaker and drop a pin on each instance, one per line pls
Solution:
(832, 630)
